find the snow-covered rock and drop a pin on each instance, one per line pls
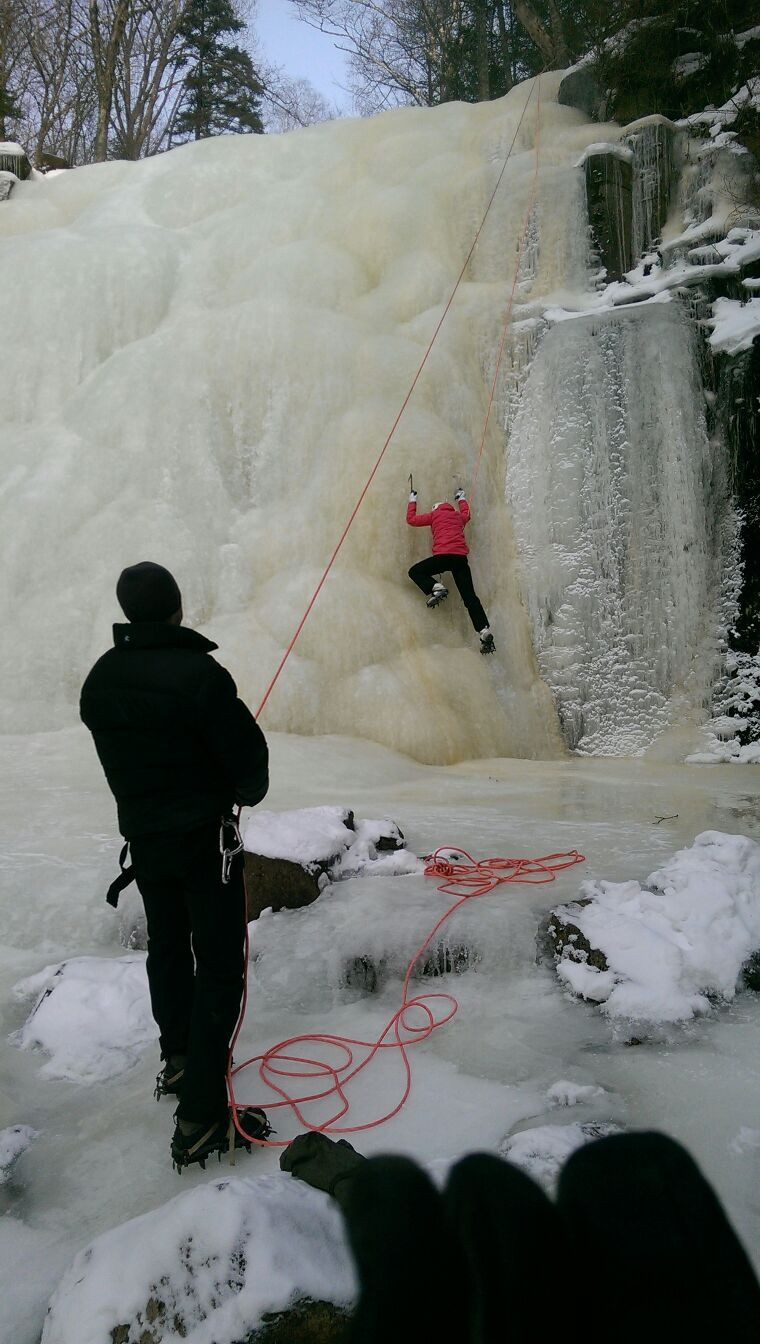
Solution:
(735, 325)
(205, 1267)
(292, 856)
(92, 1016)
(13, 1142)
(543, 1151)
(566, 1093)
(662, 951)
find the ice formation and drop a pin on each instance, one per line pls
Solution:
(206, 352)
(13, 1142)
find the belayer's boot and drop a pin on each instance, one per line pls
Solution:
(439, 594)
(193, 1142)
(169, 1080)
(486, 641)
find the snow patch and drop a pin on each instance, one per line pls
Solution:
(735, 325)
(92, 1016)
(675, 943)
(317, 835)
(542, 1152)
(566, 1093)
(217, 1257)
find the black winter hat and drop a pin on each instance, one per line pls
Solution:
(148, 592)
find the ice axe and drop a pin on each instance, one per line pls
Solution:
(411, 482)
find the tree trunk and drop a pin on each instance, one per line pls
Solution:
(481, 50)
(104, 57)
(505, 46)
(536, 32)
(561, 48)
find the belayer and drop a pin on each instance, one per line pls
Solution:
(450, 551)
(179, 750)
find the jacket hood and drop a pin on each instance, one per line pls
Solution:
(160, 635)
(444, 504)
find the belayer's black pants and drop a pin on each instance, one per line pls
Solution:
(457, 566)
(195, 957)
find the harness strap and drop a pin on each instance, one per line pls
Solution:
(125, 879)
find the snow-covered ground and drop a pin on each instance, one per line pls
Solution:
(521, 1056)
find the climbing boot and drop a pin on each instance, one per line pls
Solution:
(486, 641)
(169, 1080)
(193, 1142)
(439, 594)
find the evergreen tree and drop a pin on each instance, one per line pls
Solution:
(8, 109)
(222, 92)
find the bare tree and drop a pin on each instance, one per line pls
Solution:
(290, 103)
(107, 21)
(148, 77)
(13, 73)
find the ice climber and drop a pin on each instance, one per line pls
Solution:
(179, 749)
(450, 551)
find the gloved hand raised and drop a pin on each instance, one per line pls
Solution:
(413, 497)
(459, 494)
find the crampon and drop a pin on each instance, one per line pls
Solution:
(218, 1137)
(169, 1080)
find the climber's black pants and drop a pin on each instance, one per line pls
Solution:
(195, 956)
(457, 566)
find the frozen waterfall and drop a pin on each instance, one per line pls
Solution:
(203, 353)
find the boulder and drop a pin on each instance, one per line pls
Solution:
(292, 856)
(7, 183)
(561, 936)
(306, 1322)
(609, 197)
(581, 89)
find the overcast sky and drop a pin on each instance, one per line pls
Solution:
(301, 50)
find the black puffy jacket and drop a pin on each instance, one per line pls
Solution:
(177, 745)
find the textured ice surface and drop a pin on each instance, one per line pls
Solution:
(102, 1152)
(222, 337)
(621, 515)
(13, 1142)
(676, 942)
(217, 1258)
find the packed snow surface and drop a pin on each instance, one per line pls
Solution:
(542, 1152)
(217, 1257)
(675, 943)
(92, 1017)
(514, 1053)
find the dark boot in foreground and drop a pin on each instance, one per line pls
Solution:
(411, 1275)
(511, 1237)
(662, 1244)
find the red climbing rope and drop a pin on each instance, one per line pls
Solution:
(510, 305)
(414, 1020)
(412, 386)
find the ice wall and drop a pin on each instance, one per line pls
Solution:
(622, 518)
(202, 355)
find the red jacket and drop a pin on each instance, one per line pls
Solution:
(448, 526)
